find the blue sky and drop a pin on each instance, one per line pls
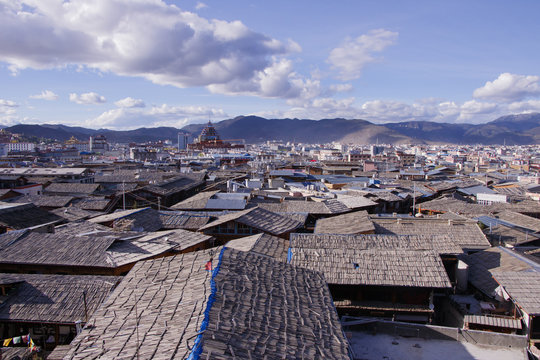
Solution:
(124, 64)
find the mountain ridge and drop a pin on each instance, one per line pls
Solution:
(519, 129)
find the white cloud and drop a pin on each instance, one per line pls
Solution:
(144, 38)
(200, 5)
(7, 104)
(509, 87)
(90, 98)
(276, 81)
(45, 95)
(8, 112)
(130, 103)
(341, 88)
(351, 57)
(525, 106)
(162, 115)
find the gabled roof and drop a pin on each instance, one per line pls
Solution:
(524, 221)
(352, 223)
(145, 219)
(53, 298)
(22, 216)
(441, 244)
(48, 201)
(381, 267)
(183, 220)
(310, 207)
(249, 306)
(176, 184)
(260, 219)
(91, 249)
(483, 263)
(72, 188)
(523, 287)
(262, 244)
(466, 234)
(196, 202)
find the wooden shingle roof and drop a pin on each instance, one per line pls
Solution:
(72, 188)
(262, 244)
(411, 268)
(466, 234)
(93, 249)
(441, 244)
(196, 202)
(22, 216)
(258, 308)
(352, 223)
(53, 298)
(260, 219)
(183, 220)
(523, 287)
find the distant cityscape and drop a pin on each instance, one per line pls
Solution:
(438, 240)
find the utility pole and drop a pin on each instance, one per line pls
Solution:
(159, 203)
(123, 195)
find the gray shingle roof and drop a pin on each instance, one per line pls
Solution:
(441, 244)
(71, 188)
(353, 223)
(48, 201)
(260, 219)
(310, 207)
(196, 202)
(412, 268)
(262, 244)
(145, 219)
(102, 250)
(523, 287)
(22, 216)
(260, 309)
(183, 220)
(53, 298)
(483, 263)
(466, 234)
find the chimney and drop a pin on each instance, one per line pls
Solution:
(450, 222)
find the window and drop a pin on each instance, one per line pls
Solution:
(243, 229)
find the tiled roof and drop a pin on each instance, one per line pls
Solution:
(48, 201)
(22, 216)
(495, 321)
(145, 219)
(262, 244)
(72, 213)
(466, 234)
(520, 220)
(411, 268)
(310, 207)
(441, 244)
(352, 223)
(523, 287)
(196, 202)
(71, 188)
(94, 249)
(53, 298)
(183, 220)
(176, 184)
(260, 219)
(259, 309)
(483, 263)
(465, 208)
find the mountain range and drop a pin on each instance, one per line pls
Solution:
(511, 129)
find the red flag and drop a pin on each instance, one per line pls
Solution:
(208, 265)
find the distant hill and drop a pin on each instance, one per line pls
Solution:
(512, 129)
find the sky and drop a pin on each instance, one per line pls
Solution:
(124, 64)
